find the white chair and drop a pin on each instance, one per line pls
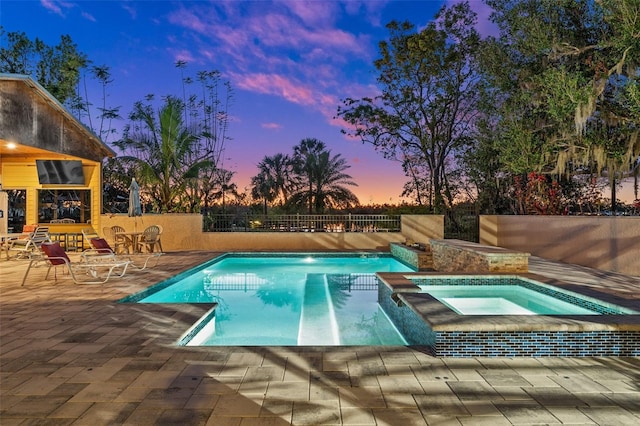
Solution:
(30, 246)
(98, 271)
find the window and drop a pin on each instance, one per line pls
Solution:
(17, 207)
(64, 206)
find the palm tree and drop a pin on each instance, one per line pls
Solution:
(279, 168)
(331, 183)
(161, 149)
(262, 188)
(222, 178)
(304, 159)
(325, 183)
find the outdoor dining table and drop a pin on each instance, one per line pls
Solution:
(133, 239)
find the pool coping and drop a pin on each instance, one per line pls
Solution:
(440, 317)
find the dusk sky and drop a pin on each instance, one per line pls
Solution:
(290, 64)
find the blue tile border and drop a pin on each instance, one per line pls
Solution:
(509, 342)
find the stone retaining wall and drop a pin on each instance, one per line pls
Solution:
(420, 259)
(464, 256)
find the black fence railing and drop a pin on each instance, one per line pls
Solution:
(300, 223)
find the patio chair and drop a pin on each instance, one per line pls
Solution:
(101, 247)
(54, 256)
(160, 236)
(151, 238)
(120, 242)
(29, 246)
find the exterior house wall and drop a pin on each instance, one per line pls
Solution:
(607, 243)
(39, 127)
(21, 173)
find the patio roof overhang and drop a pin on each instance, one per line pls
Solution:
(33, 122)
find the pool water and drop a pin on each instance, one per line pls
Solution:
(502, 300)
(294, 300)
(510, 295)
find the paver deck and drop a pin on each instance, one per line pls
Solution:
(71, 355)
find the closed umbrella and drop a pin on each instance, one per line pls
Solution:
(135, 209)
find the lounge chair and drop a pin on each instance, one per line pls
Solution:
(29, 246)
(54, 255)
(88, 234)
(100, 247)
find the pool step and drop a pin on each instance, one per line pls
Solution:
(318, 325)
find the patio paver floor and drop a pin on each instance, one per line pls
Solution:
(71, 355)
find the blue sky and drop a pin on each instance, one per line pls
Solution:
(289, 62)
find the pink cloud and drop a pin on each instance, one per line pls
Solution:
(188, 19)
(371, 9)
(55, 6)
(88, 17)
(182, 55)
(271, 126)
(279, 85)
(293, 51)
(130, 9)
(313, 12)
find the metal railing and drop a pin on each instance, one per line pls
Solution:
(301, 223)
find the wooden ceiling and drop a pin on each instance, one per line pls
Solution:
(12, 149)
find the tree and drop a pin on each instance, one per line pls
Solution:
(428, 99)
(279, 168)
(57, 68)
(263, 188)
(193, 177)
(162, 147)
(225, 186)
(304, 159)
(322, 177)
(567, 71)
(330, 188)
(275, 180)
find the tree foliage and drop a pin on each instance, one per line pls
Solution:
(312, 179)
(177, 152)
(428, 100)
(275, 180)
(57, 68)
(568, 72)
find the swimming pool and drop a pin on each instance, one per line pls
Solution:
(285, 299)
(511, 296)
(458, 322)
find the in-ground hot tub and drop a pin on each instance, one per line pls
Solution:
(507, 315)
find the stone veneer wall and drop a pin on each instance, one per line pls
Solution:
(464, 256)
(420, 259)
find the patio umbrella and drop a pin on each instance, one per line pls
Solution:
(135, 209)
